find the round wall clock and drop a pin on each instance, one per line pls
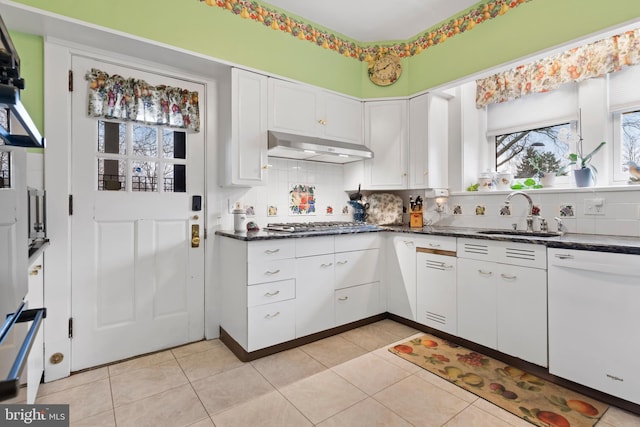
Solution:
(385, 70)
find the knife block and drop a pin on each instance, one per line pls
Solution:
(415, 219)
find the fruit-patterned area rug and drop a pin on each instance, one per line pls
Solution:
(538, 401)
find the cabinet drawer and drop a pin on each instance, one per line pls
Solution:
(357, 302)
(267, 293)
(357, 242)
(438, 243)
(355, 268)
(270, 250)
(270, 271)
(314, 246)
(271, 324)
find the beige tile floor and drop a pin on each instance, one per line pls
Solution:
(345, 380)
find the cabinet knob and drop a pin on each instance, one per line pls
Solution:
(322, 122)
(265, 167)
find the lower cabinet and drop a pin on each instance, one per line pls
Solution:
(278, 290)
(504, 306)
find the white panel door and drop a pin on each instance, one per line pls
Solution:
(137, 282)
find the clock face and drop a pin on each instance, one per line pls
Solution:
(385, 70)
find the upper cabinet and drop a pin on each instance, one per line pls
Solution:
(306, 110)
(428, 141)
(246, 159)
(385, 133)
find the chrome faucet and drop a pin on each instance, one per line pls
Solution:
(530, 213)
(561, 227)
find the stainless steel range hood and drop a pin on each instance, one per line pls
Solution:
(302, 147)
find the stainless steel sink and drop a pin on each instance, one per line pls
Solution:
(522, 233)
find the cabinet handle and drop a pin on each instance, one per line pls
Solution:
(343, 298)
(409, 243)
(271, 273)
(508, 277)
(326, 265)
(342, 262)
(34, 272)
(271, 251)
(271, 316)
(37, 267)
(564, 256)
(434, 245)
(265, 167)
(271, 294)
(485, 273)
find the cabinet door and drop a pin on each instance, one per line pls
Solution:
(314, 294)
(342, 118)
(418, 141)
(401, 277)
(477, 301)
(385, 133)
(248, 150)
(357, 302)
(522, 313)
(294, 108)
(436, 291)
(438, 141)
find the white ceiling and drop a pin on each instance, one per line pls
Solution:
(375, 20)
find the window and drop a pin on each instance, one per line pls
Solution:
(527, 153)
(627, 143)
(134, 157)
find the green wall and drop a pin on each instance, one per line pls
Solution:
(192, 25)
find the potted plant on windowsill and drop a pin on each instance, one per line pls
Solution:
(587, 173)
(546, 166)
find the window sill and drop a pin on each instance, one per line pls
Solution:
(556, 189)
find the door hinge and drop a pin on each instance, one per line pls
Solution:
(70, 204)
(70, 80)
(205, 233)
(70, 327)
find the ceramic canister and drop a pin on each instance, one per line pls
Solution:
(239, 219)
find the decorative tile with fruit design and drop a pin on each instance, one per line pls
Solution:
(534, 399)
(302, 199)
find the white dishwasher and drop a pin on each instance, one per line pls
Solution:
(594, 319)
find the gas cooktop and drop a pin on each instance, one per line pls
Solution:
(305, 227)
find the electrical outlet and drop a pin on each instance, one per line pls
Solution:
(594, 206)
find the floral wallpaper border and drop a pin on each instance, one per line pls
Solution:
(279, 21)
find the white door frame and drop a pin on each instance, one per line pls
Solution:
(57, 154)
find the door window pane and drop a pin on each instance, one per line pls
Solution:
(173, 144)
(111, 175)
(145, 141)
(112, 138)
(143, 176)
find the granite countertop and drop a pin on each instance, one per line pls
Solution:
(591, 242)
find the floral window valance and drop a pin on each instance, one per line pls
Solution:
(580, 63)
(118, 98)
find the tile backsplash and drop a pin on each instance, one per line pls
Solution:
(620, 214)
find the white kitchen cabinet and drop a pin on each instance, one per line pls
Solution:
(503, 306)
(428, 141)
(246, 155)
(315, 278)
(258, 290)
(436, 290)
(385, 133)
(306, 110)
